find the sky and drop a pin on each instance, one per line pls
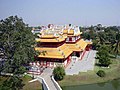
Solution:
(76, 12)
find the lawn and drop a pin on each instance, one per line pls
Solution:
(113, 72)
(31, 86)
(28, 86)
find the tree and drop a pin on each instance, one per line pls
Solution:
(39, 27)
(101, 73)
(59, 73)
(117, 44)
(103, 56)
(102, 37)
(103, 50)
(92, 34)
(17, 43)
(12, 83)
(104, 61)
(99, 26)
(95, 44)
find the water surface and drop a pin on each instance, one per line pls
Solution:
(111, 85)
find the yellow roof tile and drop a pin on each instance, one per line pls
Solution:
(82, 44)
(89, 42)
(48, 36)
(75, 34)
(74, 47)
(60, 39)
(65, 31)
(71, 32)
(79, 46)
(60, 52)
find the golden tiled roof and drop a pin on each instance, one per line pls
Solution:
(60, 52)
(64, 35)
(81, 32)
(44, 48)
(74, 47)
(71, 32)
(65, 50)
(59, 39)
(78, 33)
(89, 42)
(47, 36)
(82, 44)
(50, 53)
(79, 46)
(65, 31)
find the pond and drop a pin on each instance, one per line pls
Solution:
(111, 85)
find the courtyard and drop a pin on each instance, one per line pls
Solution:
(77, 65)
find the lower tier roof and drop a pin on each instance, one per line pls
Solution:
(62, 51)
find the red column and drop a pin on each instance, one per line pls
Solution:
(47, 64)
(42, 63)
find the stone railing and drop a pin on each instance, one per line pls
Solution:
(56, 84)
(45, 86)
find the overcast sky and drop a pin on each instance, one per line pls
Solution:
(78, 12)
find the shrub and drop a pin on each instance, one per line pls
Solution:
(59, 73)
(104, 61)
(101, 73)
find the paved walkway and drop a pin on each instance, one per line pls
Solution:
(47, 77)
(87, 63)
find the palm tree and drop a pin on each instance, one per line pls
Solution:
(117, 44)
(102, 38)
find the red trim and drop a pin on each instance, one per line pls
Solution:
(50, 44)
(68, 62)
(83, 54)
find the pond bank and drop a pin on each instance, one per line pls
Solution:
(90, 77)
(111, 85)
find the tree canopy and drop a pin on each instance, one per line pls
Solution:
(103, 56)
(59, 73)
(17, 43)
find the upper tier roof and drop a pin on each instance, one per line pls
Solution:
(50, 38)
(55, 32)
(78, 46)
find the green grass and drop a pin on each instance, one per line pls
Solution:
(91, 77)
(27, 86)
(31, 86)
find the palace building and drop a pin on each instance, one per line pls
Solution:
(60, 43)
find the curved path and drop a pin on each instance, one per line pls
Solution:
(50, 83)
(47, 77)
